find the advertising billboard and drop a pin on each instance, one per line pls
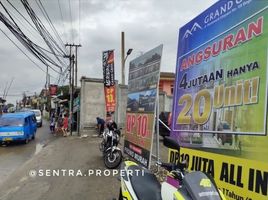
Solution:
(108, 80)
(143, 80)
(220, 99)
(108, 68)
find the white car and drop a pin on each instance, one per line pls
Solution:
(38, 116)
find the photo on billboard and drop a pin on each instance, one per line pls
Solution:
(142, 101)
(144, 73)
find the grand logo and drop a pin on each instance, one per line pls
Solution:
(222, 10)
(194, 28)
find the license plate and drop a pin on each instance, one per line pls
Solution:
(7, 139)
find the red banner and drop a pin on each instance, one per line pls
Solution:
(110, 98)
(53, 90)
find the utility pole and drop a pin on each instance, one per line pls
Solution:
(46, 85)
(72, 94)
(123, 57)
(72, 74)
(76, 69)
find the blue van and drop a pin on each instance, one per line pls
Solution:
(17, 127)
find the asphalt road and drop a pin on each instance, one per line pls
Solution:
(58, 153)
(64, 153)
(14, 155)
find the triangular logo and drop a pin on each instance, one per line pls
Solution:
(194, 28)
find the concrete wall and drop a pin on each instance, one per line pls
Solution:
(93, 103)
(165, 102)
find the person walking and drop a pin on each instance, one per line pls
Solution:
(65, 125)
(52, 123)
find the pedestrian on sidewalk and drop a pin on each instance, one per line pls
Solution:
(65, 125)
(52, 123)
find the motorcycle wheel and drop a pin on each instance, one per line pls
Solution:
(112, 159)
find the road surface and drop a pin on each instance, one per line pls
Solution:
(14, 155)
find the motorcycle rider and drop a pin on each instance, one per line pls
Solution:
(110, 123)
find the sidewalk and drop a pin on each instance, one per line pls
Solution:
(74, 153)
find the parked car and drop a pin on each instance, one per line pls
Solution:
(38, 116)
(17, 127)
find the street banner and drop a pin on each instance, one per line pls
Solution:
(144, 73)
(110, 98)
(220, 99)
(53, 90)
(108, 68)
(108, 80)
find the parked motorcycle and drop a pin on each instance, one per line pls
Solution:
(179, 184)
(112, 154)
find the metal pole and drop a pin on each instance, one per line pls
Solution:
(77, 112)
(76, 66)
(70, 87)
(157, 127)
(72, 81)
(72, 96)
(47, 78)
(78, 116)
(123, 57)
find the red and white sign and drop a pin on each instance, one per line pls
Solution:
(110, 98)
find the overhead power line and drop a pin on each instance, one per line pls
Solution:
(27, 28)
(55, 48)
(51, 43)
(71, 20)
(13, 27)
(26, 42)
(8, 88)
(79, 17)
(35, 64)
(62, 17)
(40, 5)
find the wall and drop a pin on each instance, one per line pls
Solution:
(166, 86)
(93, 103)
(165, 102)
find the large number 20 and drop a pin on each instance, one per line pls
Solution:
(198, 118)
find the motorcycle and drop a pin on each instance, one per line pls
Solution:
(112, 154)
(179, 184)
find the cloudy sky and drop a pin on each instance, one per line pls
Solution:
(146, 24)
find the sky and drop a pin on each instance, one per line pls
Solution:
(97, 26)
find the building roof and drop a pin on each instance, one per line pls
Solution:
(167, 76)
